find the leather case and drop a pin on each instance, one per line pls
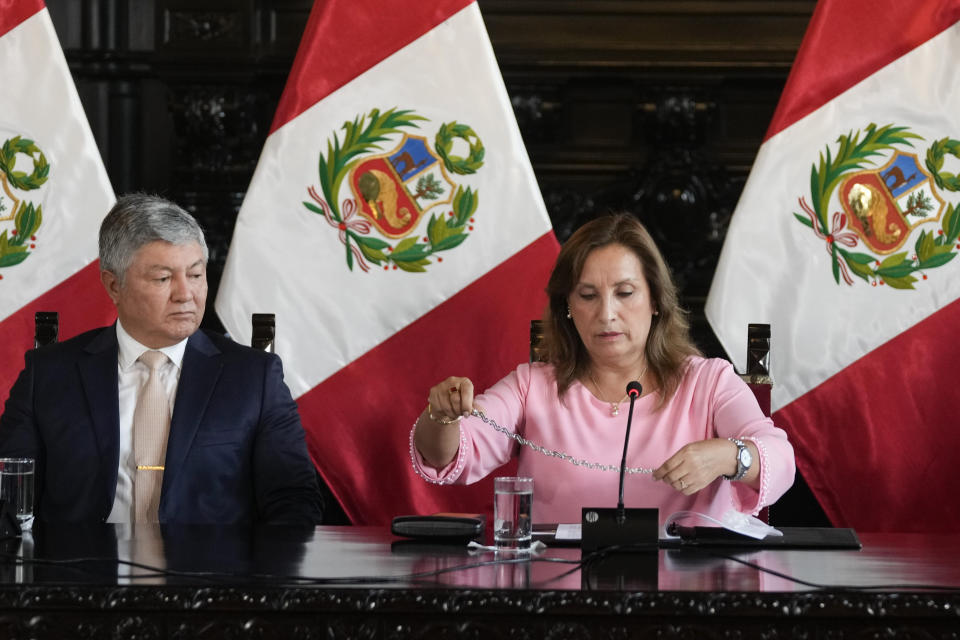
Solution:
(439, 526)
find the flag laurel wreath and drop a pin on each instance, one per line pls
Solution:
(364, 134)
(28, 217)
(20, 179)
(450, 131)
(930, 250)
(935, 155)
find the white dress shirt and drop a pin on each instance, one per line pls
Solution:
(132, 377)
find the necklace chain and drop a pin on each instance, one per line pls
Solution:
(614, 406)
(552, 453)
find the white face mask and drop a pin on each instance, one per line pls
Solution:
(732, 520)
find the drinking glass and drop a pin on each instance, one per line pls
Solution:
(16, 486)
(512, 506)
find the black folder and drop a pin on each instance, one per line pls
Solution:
(792, 538)
(718, 537)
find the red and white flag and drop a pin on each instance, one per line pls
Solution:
(395, 228)
(845, 240)
(53, 191)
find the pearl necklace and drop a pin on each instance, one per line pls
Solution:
(614, 406)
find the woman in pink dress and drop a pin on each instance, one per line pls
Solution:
(699, 440)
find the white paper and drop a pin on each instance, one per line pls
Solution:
(569, 532)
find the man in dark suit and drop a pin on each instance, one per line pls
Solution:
(150, 419)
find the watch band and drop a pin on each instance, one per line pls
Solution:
(741, 468)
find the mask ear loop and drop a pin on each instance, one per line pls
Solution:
(748, 525)
(732, 520)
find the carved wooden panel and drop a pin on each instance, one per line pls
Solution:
(370, 613)
(217, 28)
(670, 35)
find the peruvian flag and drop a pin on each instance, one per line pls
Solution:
(395, 228)
(845, 240)
(53, 191)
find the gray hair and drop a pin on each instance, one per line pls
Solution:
(138, 219)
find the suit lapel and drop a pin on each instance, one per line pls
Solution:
(98, 374)
(198, 378)
(99, 377)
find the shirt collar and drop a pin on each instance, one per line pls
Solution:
(130, 349)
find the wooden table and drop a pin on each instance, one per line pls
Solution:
(357, 582)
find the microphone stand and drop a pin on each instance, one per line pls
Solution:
(633, 390)
(634, 529)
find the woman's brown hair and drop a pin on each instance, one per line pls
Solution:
(668, 343)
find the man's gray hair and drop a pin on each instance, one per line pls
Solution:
(138, 219)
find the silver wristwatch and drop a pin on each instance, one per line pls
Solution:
(744, 460)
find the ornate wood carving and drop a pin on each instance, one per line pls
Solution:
(218, 130)
(293, 612)
(201, 25)
(211, 25)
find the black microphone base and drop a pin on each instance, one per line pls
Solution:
(635, 530)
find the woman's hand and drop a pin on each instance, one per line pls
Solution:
(699, 463)
(451, 399)
(437, 436)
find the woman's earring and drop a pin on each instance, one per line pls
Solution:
(656, 313)
(568, 313)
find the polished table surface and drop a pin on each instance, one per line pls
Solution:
(362, 581)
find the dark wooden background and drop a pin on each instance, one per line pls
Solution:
(657, 107)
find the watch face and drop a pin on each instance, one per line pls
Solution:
(745, 458)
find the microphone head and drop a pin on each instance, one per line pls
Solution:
(634, 389)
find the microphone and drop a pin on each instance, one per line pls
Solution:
(635, 529)
(634, 389)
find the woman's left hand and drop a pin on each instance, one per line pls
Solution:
(698, 464)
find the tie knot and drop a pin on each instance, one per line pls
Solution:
(153, 359)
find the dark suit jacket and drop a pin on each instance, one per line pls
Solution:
(236, 451)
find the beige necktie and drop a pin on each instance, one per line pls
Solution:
(151, 424)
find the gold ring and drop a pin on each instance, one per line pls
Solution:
(682, 485)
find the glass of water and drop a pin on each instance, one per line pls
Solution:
(512, 506)
(16, 486)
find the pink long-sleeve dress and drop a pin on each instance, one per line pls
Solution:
(710, 402)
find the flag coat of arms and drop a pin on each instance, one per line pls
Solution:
(395, 228)
(53, 191)
(845, 240)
